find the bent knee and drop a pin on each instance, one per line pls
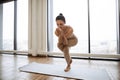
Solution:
(72, 42)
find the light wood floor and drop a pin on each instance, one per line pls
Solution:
(9, 65)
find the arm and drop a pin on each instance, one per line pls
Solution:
(57, 32)
(60, 34)
(69, 32)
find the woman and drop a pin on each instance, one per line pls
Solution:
(66, 39)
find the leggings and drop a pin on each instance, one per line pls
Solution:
(65, 48)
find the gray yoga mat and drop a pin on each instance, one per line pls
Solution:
(56, 70)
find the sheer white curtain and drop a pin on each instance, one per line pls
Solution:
(37, 26)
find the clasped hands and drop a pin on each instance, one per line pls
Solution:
(62, 37)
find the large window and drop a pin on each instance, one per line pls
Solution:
(14, 33)
(103, 26)
(22, 24)
(8, 26)
(93, 21)
(76, 16)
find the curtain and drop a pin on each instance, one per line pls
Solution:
(37, 27)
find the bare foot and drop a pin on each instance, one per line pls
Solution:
(68, 66)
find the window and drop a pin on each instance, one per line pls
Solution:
(103, 26)
(14, 25)
(93, 20)
(22, 25)
(77, 17)
(8, 26)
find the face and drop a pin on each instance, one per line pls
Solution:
(60, 23)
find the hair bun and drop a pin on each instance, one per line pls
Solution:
(61, 17)
(61, 14)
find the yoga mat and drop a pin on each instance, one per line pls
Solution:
(57, 70)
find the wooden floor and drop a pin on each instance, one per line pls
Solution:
(9, 65)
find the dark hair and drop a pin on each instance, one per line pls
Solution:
(61, 17)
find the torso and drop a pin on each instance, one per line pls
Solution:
(65, 29)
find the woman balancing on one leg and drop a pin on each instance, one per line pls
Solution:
(66, 39)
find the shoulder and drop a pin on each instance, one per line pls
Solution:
(68, 26)
(69, 29)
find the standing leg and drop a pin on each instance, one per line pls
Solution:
(71, 42)
(67, 58)
(65, 50)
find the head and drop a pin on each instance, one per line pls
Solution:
(60, 20)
